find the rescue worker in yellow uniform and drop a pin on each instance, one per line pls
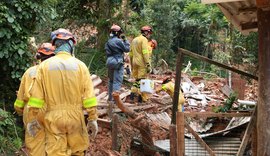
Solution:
(64, 84)
(140, 61)
(168, 87)
(152, 45)
(34, 145)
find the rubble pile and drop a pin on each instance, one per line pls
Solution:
(201, 96)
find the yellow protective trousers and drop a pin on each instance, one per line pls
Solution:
(35, 145)
(66, 132)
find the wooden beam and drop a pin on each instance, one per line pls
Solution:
(218, 1)
(189, 53)
(210, 114)
(180, 125)
(199, 139)
(263, 3)
(248, 132)
(244, 10)
(249, 25)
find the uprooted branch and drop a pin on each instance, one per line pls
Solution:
(140, 123)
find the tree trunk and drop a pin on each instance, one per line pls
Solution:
(103, 25)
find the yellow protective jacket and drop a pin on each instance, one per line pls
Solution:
(63, 82)
(23, 92)
(139, 52)
(169, 88)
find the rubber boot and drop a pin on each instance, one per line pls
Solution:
(140, 99)
(132, 96)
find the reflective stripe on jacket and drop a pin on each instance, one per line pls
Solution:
(26, 81)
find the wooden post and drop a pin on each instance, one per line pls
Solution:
(115, 132)
(173, 143)
(180, 127)
(254, 143)
(263, 115)
(249, 130)
(177, 85)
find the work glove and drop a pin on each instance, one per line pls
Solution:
(149, 68)
(19, 110)
(33, 127)
(123, 37)
(92, 128)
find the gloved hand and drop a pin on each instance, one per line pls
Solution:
(123, 37)
(149, 68)
(33, 127)
(19, 110)
(93, 127)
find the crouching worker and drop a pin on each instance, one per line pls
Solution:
(34, 140)
(64, 84)
(168, 87)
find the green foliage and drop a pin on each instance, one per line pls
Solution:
(9, 134)
(227, 105)
(94, 59)
(17, 21)
(245, 50)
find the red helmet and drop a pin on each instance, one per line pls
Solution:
(115, 28)
(146, 28)
(153, 44)
(62, 34)
(46, 49)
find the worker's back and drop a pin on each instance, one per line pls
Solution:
(139, 51)
(63, 81)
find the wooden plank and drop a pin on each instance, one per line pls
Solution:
(248, 132)
(226, 90)
(173, 142)
(199, 139)
(249, 25)
(104, 123)
(189, 53)
(250, 9)
(218, 1)
(180, 125)
(212, 114)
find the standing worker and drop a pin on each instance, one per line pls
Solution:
(64, 84)
(35, 145)
(115, 48)
(140, 61)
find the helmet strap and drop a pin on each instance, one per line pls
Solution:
(71, 47)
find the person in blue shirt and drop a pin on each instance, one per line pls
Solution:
(115, 48)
